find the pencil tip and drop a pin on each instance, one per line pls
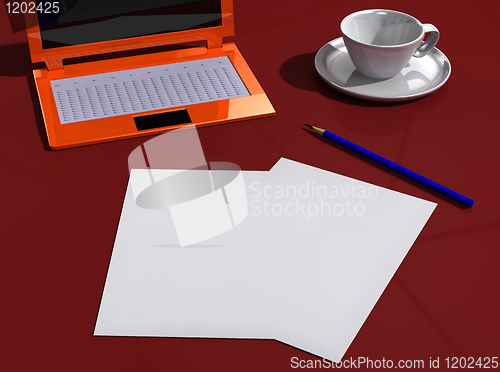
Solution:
(309, 126)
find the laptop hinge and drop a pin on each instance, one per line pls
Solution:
(56, 62)
(53, 62)
(214, 41)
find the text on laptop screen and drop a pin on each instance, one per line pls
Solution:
(89, 21)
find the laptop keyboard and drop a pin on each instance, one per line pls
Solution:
(145, 89)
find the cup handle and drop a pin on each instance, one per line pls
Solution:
(427, 45)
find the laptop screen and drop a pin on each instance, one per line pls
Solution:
(78, 22)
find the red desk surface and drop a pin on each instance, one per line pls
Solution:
(60, 209)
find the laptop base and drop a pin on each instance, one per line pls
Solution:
(101, 128)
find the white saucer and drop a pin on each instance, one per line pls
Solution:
(420, 77)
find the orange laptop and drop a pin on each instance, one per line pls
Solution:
(147, 93)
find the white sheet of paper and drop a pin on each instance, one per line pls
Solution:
(306, 266)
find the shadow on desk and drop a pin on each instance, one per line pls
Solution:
(299, 72)
(18, 64)
(361, 116)
(16, 60)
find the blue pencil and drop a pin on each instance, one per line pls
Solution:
(395, 167)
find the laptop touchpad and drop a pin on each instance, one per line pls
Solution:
(164, 119)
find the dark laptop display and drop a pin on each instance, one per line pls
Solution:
(89, 21)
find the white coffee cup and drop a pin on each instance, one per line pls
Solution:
(381, 42)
